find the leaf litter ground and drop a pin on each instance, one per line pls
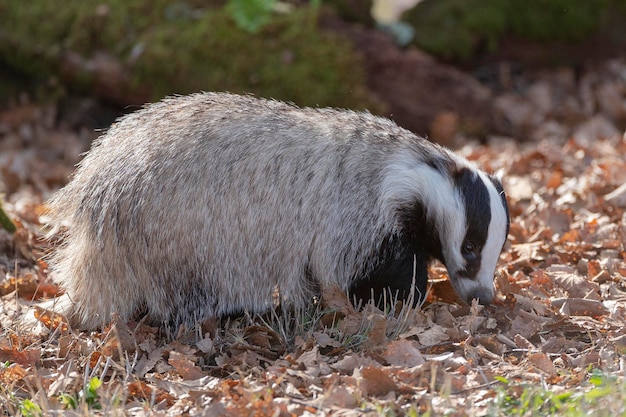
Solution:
(558, 323)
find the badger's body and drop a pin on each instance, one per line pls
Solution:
(200, 206)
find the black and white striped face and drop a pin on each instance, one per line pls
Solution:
(476, 235)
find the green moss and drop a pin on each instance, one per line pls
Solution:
(21, 28)
(458, 29)
(287, 59)
(564, 20)
(358, 11)
(181, 47)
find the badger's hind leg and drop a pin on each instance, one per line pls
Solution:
(394, 279)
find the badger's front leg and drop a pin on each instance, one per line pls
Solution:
(395, 278)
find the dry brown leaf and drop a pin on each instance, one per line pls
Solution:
(542, 362)
(94, 359)
(593, 268)
(526, 304)
(403, 353)
(340, 396)
(51, 320)
(433, 336)
(119, 339)
(474, 353)
(29, 287)
(335, 299)
(442, 290)
(206, 345)
(523, 343)
(142, 391)
(491, 343)
(123, 334)
(620, 343)
(352, 324)
(534, 251)
(584, 360)
(502, 282)
(310, 359)
(12, 374)
(26, 357)
(323, 340)
(575, 285)
(376, 382)
(524, 327)
(148, 361)
(263, 337)
(580, 307)
(377, 333)
(185, 367)
(472, 322)
(349, 363)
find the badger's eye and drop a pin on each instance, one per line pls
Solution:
(469, 248)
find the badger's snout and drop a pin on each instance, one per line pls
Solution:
(470, 289)
(483, 295)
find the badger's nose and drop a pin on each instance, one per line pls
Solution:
(483, 295)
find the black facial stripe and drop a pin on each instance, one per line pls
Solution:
(477, 215)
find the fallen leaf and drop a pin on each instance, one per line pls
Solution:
(323, 339)
(580, 307)
(12, 374)
(377, 331)
(523, 343)
(26, 357)
(349, 363)
(186, 368)
(542, 362)
(51, 320)
(403, 353)
(340, 396)
(334, 298)
(142, 391)
(376, 382)
(433, 336)
(575, 285)
(526, 326)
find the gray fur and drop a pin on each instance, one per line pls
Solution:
(202, 205)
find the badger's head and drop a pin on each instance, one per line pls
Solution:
(453, 212)
(474, 233)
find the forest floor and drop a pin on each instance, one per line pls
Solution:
(553, 342)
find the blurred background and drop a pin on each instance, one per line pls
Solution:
(456, 71)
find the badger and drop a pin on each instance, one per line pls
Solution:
(203, 205)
